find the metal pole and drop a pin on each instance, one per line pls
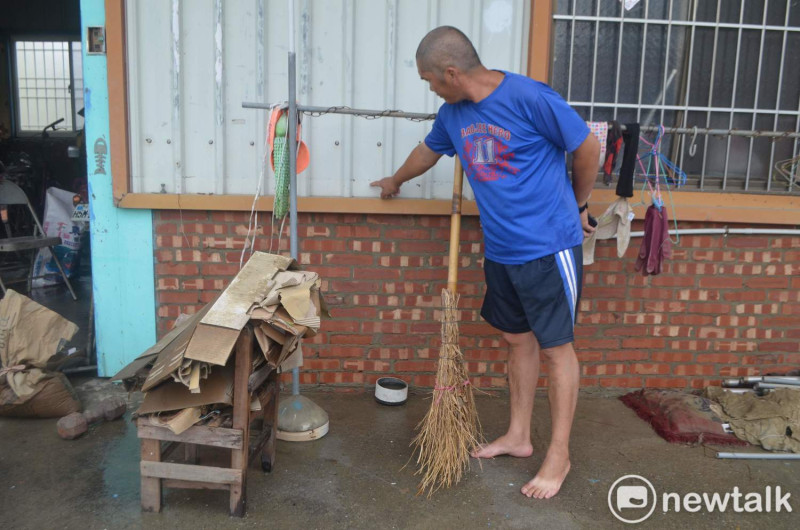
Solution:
(293, 163)
(760, 456)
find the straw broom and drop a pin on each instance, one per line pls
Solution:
(451, 428)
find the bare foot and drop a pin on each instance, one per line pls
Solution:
(551, 475)
(505, 445)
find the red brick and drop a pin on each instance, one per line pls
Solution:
(779, 346)
(670, 280)
(693, 369)
(602, 369)
(340, 377)
(721, 282)
(183, 215)
(744, 296)
(361, 260)
(422, 247)
(176, 269)
(649, 369)
(746, 242)
(627, 355)
(349, 339)
(671, 357)
(355, 313)
(367, 366)
(321, 364)
(647, 343)
(709, 308)
(341, 286)
(323, 245)
(415, 366)
(165, 284)
(691, 320)
(166, 228)
(220, 269)
(179, 297)
(769, 282)
(666, 382)
(384, 327)
(621, 382)
(364, 273)
(408, 233)
(341, 351)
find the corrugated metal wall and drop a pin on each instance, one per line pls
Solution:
(191, 64)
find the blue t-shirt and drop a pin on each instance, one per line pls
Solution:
(512, 145)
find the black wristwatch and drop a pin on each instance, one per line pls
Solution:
(583, 208)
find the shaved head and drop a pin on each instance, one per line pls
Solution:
(446, 46)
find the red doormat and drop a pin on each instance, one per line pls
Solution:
(679, 417)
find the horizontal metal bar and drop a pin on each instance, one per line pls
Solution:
(722, 132)
(347, 110)
(651, 128)
(723, 110)
(685, 23)
(761, 456)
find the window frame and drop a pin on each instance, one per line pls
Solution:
(14, 87)
(689, 206)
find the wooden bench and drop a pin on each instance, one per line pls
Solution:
(157, 442)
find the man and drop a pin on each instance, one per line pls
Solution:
(512, 133)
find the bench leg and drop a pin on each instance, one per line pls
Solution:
(151, 487)
(241, 417)
(271, 423)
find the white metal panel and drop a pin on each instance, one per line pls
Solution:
(358, 53)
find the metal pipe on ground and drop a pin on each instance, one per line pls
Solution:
(773, 386)
(781, 380)
(760, 456)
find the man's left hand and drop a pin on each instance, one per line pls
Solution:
(588, 229)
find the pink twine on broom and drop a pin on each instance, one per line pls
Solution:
(448, 388)
(10, 369)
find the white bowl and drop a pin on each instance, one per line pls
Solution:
(391, 391)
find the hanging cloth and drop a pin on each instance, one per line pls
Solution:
(600, 131)
(631, 139)
(613, 146)
(615, 222)
(656, 245)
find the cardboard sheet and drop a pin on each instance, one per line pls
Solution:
(171, 356)
(218, 388)
(249, 287)
(212, 344)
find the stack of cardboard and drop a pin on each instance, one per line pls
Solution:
(186, 376)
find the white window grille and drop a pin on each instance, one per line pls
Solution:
(726, 67)
(48, 83)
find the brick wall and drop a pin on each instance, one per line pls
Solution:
(724, 307)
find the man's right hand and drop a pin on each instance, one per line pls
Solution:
(388, 187)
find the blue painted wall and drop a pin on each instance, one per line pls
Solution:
(122, 240)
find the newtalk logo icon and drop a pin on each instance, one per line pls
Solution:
(632, 499)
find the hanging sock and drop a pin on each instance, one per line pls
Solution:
(631, 139)
(613, 146)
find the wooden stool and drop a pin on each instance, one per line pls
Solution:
(156, 473)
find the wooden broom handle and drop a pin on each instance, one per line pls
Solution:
(455, 227)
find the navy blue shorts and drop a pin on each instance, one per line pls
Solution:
(540, 296)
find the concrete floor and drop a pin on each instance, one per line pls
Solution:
(354, 476)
